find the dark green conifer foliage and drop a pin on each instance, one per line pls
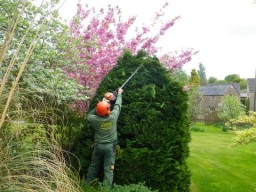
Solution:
(152, 128)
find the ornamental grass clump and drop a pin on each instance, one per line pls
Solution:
(33, 163)
(153, 127)
(30, 158)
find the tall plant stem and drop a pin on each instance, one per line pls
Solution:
(13, 60)
(16, 81)
(9, 34)
(22, 66)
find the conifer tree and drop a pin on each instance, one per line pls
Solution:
(194, 79)
(202, 75)
(194, 97)
(152, 127)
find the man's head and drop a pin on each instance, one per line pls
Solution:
(103, 108)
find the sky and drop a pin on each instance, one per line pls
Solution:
(222, 31)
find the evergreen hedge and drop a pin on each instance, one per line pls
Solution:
(153, 127)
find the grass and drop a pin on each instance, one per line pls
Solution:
(29, 163)
(219, 166)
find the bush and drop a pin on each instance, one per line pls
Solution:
(196, 129)
(153, 126)
(140, 187)
(245, 137)
(102, 187)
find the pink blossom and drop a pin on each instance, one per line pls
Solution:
(105, 38)
(186, 88)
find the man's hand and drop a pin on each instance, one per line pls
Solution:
(120, 91)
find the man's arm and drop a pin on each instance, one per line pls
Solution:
(117, 107)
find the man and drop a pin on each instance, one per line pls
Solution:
(104, 122)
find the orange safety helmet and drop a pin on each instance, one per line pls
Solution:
(103, 108)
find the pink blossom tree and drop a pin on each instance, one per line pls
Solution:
(105, 35)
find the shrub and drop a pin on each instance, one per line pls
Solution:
(140, 187)
(196, 129)
(102, 187)
(246, 136)
(153, 126)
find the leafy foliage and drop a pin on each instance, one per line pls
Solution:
(103, 187)
(140, 187)
(195, 100)
(43, 93)
(202, 74)
(212, 80)
(180, 76)
(244, 127)
(243, 85)
(243, 120)
(52, 51)
(194, 79)
(246, 136)
(194, 97)
(54, 82)
(233, 78)
(231, 108)
(153, 126)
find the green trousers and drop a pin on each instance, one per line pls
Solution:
(106, 153)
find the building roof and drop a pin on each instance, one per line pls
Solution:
(251, 85)
(218, 89)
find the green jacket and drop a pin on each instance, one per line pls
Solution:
(105, 126)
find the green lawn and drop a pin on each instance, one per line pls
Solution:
(218, 166)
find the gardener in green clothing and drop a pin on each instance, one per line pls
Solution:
(104, 123)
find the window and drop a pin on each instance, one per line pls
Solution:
(211, 108)
(213, 97)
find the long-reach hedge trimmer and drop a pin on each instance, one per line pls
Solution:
(130, 77)
(111, 96)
